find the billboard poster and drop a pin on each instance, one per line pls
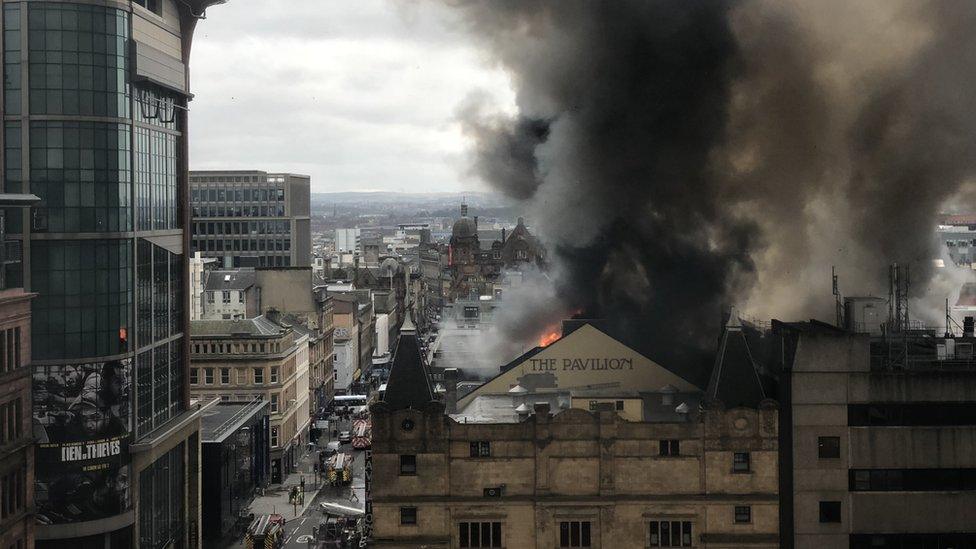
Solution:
(81, 427)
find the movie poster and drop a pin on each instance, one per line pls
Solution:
(81, 425)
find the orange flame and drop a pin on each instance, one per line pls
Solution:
(548, 339)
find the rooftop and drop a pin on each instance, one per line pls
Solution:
(257, 326)
(232, 279)
(224, 419)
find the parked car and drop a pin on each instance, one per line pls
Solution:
(345, 437)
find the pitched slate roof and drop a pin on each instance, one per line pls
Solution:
(735, 378)
(408, 386)
(233, 279)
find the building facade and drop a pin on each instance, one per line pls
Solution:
(574, 479)
(229, 294)
(584, 443)
(879, 439)
(252, 218)
(16, 452)
(241, 360)
(95, 114)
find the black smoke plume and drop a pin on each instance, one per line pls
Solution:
(681, 156)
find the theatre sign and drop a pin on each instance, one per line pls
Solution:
(585, 357)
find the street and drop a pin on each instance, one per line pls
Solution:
(298, 528)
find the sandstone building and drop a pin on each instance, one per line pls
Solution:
(560, 451)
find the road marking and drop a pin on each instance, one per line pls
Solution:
(302, 523)
(303, 539)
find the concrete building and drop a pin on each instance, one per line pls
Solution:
(651, 460)
(252, 218)
(95, 99)
(235, 454)
(347, 240)
(240, 360)
(879, 438)
(230, 294)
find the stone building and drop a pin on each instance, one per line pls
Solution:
(240, 360)
(879, 438)
(16, 456)
(230, 294)
(473, 265)
(520, 464)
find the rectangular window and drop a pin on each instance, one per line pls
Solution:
(912, 480)
(242, 376)
(408, 465)
(274, 437)
(408, 515)
(258, 376)
(274, 374)
(670, 448)
(194, 376)
(225, 376)
(828, 447)
(274, 403)
(911, 414)
(208, 376)
(481, 449)
(480, 534)
(226, 296)
(670, 533)
(740, 462)
(574, 534)
(210, 297)
(829, 511)
(743, 514)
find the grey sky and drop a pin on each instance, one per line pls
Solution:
(360, 95)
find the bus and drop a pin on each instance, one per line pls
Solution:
(355, 404)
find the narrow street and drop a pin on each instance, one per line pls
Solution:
(301, 519)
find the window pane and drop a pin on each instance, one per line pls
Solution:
(564, 534)
(463, 534)
(586, 534)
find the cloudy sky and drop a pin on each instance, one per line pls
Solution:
(360, 95)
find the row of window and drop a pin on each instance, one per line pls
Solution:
(10, 359)
(11, 421)
(237, 195)
(572, 533)
(276, 226)
(238, 211)
(912, 541)
(236, 348)
(242, 377)
(251, 258)
(226, 179)
(228, 244)
(912, 480)
(911, 414)
(741, 461)
(225, 296)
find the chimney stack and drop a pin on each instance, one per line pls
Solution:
(450, 394)
(503, 235)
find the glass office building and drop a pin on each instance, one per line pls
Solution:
(95, 101)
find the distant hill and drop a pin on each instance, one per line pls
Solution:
(479, 199)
